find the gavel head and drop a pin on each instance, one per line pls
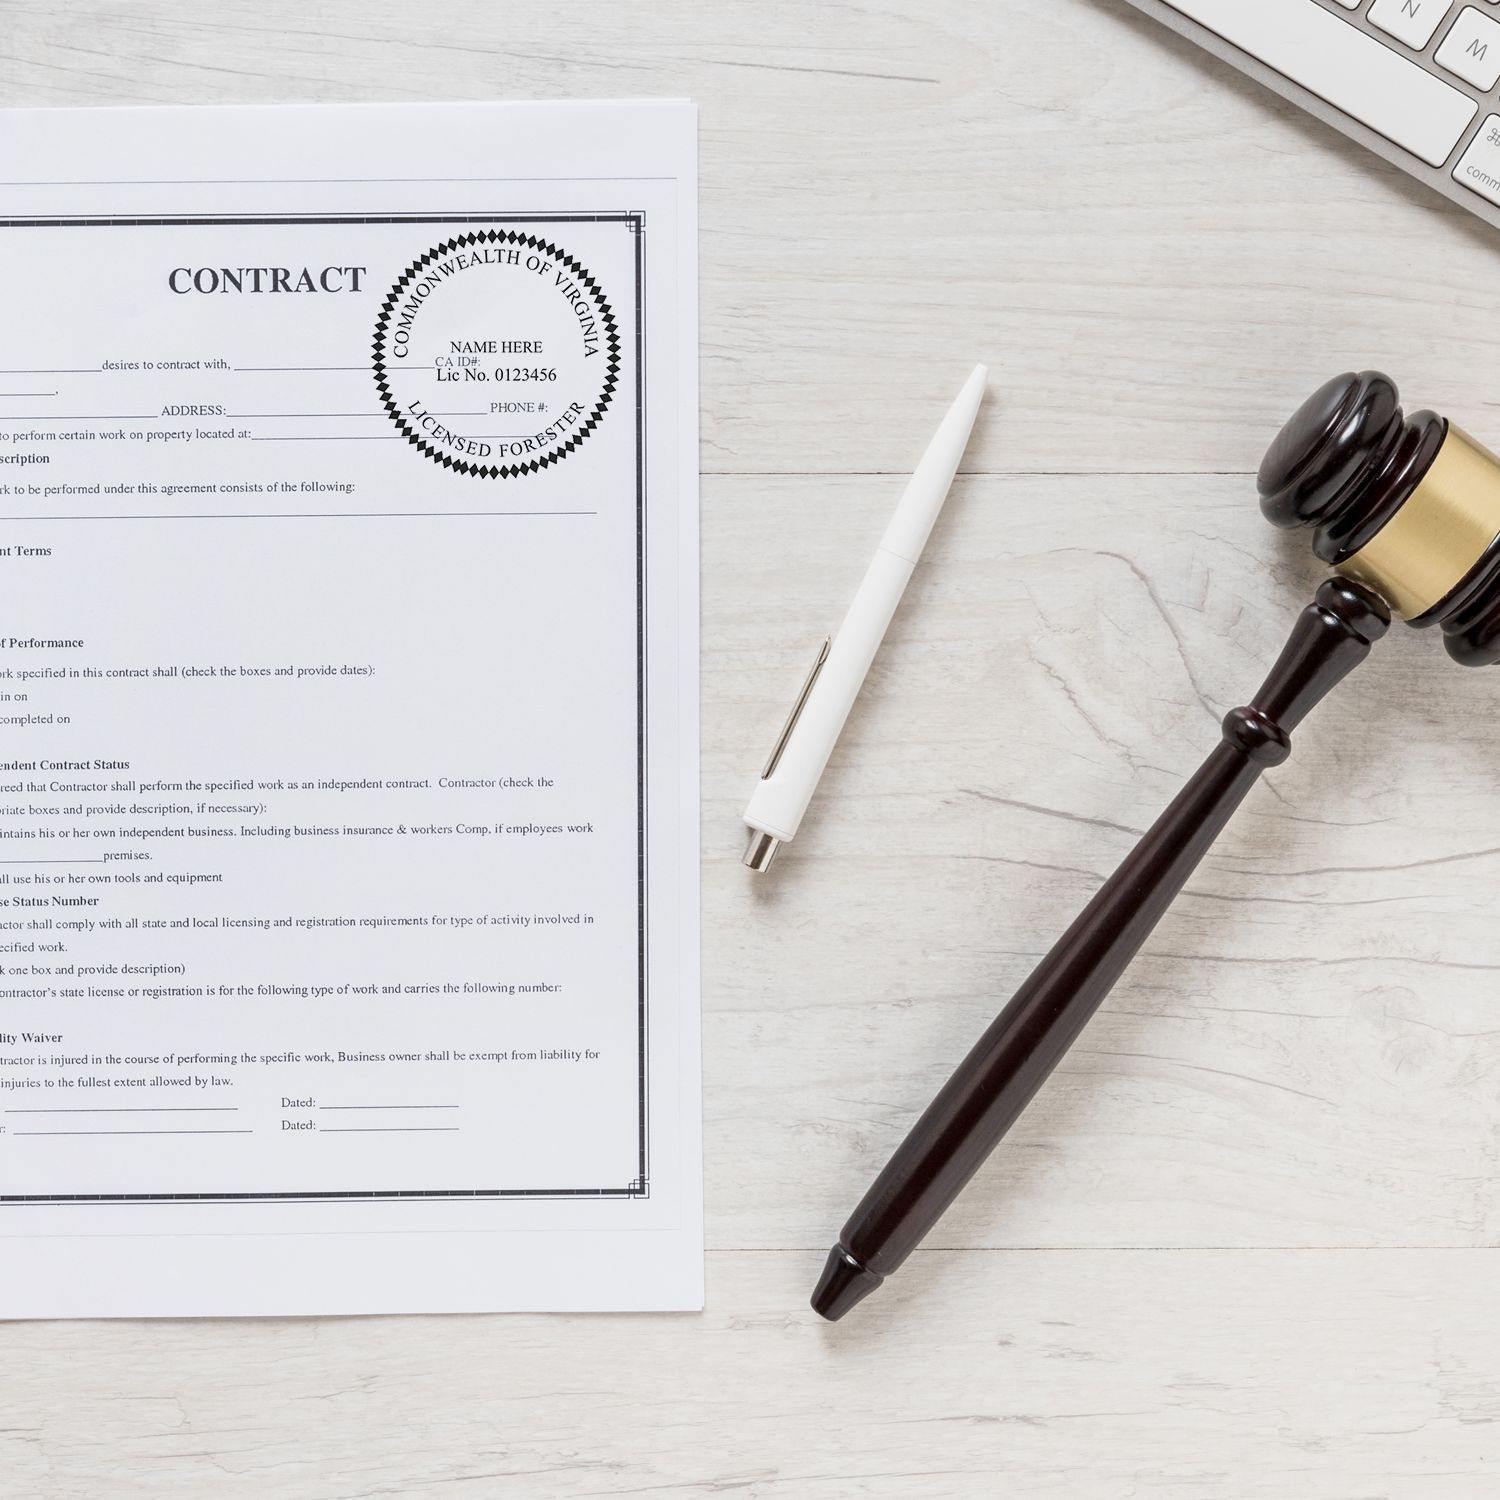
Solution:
(1407, 506)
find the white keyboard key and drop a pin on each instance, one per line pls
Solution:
(1354, 4)
(1410, 21)
(1351, 70)
(1472, 49)
(1480, 166)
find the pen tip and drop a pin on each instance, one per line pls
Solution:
(971, 397)
(844, 1283)
(760, 851)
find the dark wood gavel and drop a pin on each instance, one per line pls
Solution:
(1407, 512)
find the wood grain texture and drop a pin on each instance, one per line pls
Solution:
(1078, 1375)
(1239, 1247)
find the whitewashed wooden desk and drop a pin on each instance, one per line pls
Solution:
(1242, 1245)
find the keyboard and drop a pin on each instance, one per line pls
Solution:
(1416, 80)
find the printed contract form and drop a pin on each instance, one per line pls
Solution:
(348, 716)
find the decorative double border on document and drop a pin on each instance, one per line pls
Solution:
(608, 363)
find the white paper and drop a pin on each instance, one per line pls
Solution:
(348, 688)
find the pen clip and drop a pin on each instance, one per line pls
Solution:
(797, 707)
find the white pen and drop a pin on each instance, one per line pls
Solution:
(817, 718)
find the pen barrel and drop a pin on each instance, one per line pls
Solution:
(780, 798)
(786, 787)
(1013, 1058)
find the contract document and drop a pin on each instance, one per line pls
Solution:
(348, 710)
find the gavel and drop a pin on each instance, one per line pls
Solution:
(1406, 510)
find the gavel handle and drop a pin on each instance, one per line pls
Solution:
(998, 1078)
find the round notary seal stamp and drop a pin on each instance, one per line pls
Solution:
(496, 353)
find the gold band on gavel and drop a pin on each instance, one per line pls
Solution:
(1419, 556)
